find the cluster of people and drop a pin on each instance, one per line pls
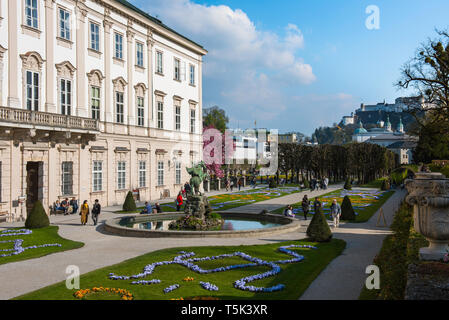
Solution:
(148, 209)
(233, 182)
(335, 209)
(316, 184)
(66, 206)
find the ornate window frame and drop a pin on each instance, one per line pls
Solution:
(95, 79)
(119, 86)
(177, 103)
(140, 91)
(31, 61)
(30, 30)
(65, 71)
(159, 97)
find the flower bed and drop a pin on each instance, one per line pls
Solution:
(17, 243)
(185, 259)
(124, 294)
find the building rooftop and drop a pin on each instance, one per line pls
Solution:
(155, 20)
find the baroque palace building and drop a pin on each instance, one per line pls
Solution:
(97, 98)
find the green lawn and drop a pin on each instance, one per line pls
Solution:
(48, 235)
(296, 276)
(233, 200)
(374, 184)
(367, 197)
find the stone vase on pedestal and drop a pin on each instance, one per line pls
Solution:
(429, 196)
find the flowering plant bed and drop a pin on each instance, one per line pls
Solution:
(90, 293)
(18, 244)
(364, 201)
(273, 271)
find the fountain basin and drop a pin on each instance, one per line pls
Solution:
(131, 226)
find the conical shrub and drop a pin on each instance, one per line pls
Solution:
(347, 211)
(306, 184)
(318, 230)
(37, 218)
(129, 204)
(348, 185)
(385, 185)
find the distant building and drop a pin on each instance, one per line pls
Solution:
(347, 120)
(288, 138)
(383, 135)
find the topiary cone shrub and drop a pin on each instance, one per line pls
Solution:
(306, 184)
(347, 211)
(318, 230)
(385, 185)
(129, 204)
(348, 185)
(37, 218)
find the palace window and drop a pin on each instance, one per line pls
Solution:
(119, 46)
(178, 118)
(159, 62)
(119, 107)
(139, 54)
(64, 24)
(192, 74)
(67, 178)
(178, 173)
(32, 90)
(140, 111)
(97, 176)
(95, 102)
(142, 174)
(177, 74)
(121, 175)
(160, 115)
(160, 173)
(94, 36)
(192, 120)
(66, 97)
(31, 13)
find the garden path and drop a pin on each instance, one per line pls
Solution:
(345, 276)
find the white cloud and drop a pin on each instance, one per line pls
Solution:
(246, 69)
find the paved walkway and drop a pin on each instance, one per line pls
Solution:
(345, 276)
(101, 250)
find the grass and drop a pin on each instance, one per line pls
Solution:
(48, 235)
(364, 214)
(397, 252)
(296, 276)
(223, 201)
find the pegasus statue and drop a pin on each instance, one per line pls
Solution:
(198, 175)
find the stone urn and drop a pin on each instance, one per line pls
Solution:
(429, 196)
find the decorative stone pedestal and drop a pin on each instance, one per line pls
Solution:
(198, 206)
(429, 196)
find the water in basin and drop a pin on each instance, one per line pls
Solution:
(229, 224)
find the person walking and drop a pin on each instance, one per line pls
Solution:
(232, 185)
(96, 210)
(179, 202)
(240, 183)
(326, 183)
(305, 204)
(84, 213)
(228, 184)
(336, 213)
(317, 204)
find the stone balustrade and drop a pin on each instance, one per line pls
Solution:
(21, 116)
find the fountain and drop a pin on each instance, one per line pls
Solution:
(429, 196)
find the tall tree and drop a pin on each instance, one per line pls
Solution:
(215, 117)
(428, 74)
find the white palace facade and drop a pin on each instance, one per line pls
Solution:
(97, 98)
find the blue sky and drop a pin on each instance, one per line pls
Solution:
(297, 65)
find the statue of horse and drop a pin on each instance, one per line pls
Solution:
(198, 173)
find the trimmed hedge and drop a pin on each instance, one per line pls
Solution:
(129, 204)
(347, 211)
(319, 230)
(37, 218)
(348, 185)
(385, 185)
